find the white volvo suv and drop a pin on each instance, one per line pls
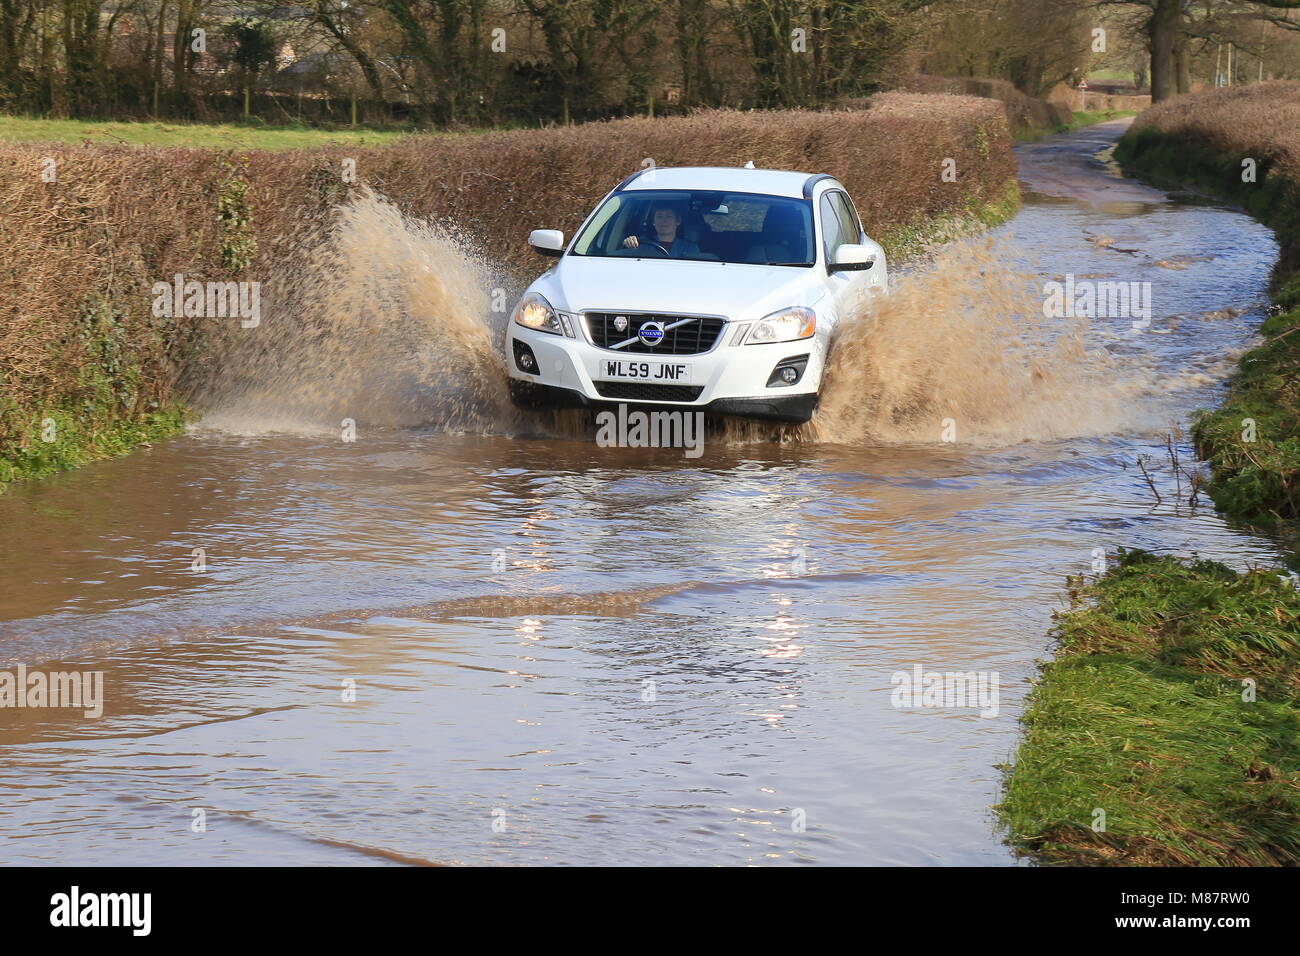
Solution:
(695, 288)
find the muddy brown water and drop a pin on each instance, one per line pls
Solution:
(566, 654)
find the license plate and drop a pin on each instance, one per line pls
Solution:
(675, 372)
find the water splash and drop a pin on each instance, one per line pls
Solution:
(386, 321)
(964, 340)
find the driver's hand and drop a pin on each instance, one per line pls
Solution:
(630, 242)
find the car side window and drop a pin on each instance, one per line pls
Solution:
(848, 217)
(833, 231)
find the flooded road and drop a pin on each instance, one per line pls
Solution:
(429, 646)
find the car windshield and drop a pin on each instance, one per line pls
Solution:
(704, 225)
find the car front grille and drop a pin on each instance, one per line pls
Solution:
(642, 392)
(695, 336)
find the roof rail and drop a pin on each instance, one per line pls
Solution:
(811, 183)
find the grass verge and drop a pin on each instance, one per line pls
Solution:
(1242, 145)
(1078, 120)
(223, 136)
(65, 439)
(104, 402)
(1167, 729)
(1081, 119)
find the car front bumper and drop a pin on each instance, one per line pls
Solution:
(728, 380)
(795, 409)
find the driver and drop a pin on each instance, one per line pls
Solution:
(666, 221)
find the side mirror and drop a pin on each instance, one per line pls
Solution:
(549, 242)
(852, 258)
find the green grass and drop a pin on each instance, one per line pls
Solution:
(22, 129)
(99, 411)
(78, 441)
(1258, 481)
(1079, 121)
(1082, 118)
(1142, 716)
(17, 129)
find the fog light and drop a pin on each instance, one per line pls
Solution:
(788, 371)
(525, 360)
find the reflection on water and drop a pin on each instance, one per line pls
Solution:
(565, 656)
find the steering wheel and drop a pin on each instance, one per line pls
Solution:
(642, 250)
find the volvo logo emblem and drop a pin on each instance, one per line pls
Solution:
(620, 323)
(651, 333)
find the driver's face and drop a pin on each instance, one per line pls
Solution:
(666, 222)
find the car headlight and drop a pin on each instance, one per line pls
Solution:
(534, 312)
(785, 325)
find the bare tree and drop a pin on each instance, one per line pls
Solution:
(1169, 24)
